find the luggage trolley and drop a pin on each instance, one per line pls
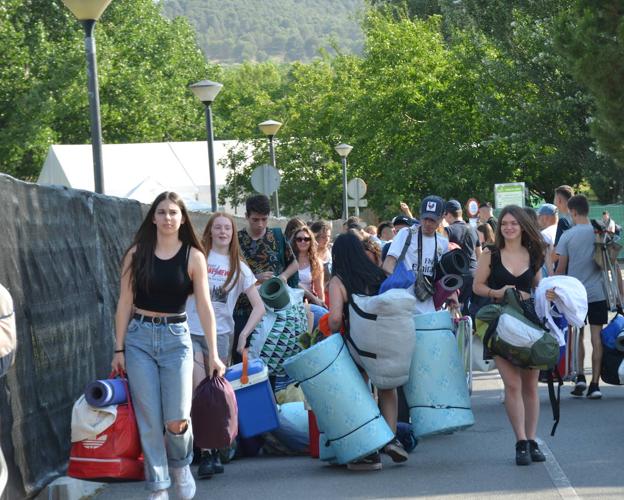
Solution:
(463, 332)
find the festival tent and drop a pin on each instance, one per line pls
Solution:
(142, 171)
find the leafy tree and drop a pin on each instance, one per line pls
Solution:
(146, 63)
(590, 38)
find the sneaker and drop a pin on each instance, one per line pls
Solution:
(395, 450)
(523, 456)
(206, 467)
(217, 466)
(158, 495)
(536, 453)
(594, 391)
(371, 462)
(579, 389)
(184, 482)
(227, 454)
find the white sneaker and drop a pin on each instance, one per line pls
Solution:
(158, 495)
(184, 482)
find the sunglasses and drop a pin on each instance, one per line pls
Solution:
(301, 239)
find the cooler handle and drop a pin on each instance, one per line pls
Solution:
(244, 376)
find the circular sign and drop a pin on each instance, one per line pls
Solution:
(472, 207)
(356, 188)
(265, 179)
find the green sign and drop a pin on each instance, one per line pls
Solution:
(510, 193)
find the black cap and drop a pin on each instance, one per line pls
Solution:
(403, 220)
(432, 207)
(452, 206)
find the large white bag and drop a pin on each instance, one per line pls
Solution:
(381, 336)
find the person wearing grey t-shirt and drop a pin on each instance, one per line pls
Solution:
(576, 258)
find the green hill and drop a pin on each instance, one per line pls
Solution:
(232, 31)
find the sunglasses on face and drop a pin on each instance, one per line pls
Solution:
(301, 239)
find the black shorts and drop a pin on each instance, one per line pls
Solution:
(597, 313)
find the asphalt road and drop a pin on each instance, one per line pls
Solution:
(584, 460)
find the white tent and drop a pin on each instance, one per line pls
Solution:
(141, 171)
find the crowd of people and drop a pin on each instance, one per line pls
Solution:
(189, 307)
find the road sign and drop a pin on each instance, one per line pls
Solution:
(356, 188)
(472, 207)
(265, 179)
(510, 193)
(358, 203)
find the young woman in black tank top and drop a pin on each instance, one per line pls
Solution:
(515, 262)
(164, 264)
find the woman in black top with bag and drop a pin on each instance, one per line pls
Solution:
(162, 267)
(515, 262)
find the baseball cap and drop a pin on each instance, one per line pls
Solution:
(403, 219)
(547, 209)
(432, 207)
(452, 206)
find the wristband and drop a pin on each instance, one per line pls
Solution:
(119, 350)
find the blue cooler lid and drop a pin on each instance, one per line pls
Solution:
(254, 366)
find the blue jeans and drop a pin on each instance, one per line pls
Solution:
(159, 362)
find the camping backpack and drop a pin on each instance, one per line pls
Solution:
(380, 335)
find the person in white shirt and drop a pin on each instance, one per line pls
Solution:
(608, 222)
(548, 217)
(433, 246)
(228, 278)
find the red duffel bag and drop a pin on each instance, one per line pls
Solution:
(214, 414)
(115, 454)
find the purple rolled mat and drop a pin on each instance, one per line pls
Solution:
(444, 287)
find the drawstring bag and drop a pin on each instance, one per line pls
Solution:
(214, 414)
(114, 454)
(402, 276)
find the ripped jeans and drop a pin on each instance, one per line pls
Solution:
(159, 362)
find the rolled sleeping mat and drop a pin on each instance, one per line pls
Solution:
(106, 392)
(454, 262)
(326, 451)
(437, 393)
(619, 342)
(342, 402)
(274, 293)
(444, 287)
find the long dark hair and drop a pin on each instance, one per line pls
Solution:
(532, 239)
(351, 264)
(142, 262)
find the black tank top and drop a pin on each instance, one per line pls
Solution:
(500, 275)
(169, 287)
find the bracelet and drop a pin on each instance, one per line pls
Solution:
(119, 350)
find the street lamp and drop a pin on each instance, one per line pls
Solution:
(206, 91)
(343, 150)
(88, 12)
(270, 128)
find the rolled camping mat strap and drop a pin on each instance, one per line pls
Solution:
(330, 441)
(554, 400)
(360, 312)
(297, 384)
(441, 407)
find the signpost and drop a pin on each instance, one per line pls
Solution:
(510, 193)
(472, 207)
(356, 189)
(265, 179)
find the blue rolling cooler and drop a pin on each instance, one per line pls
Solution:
(257, 411)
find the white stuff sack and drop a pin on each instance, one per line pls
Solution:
(516, 332)
(381, 336)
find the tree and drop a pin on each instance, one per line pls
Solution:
(146, 63)
(590, 38)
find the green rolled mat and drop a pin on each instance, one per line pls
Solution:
(274, 293)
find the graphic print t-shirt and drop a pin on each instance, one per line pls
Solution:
(223, 301)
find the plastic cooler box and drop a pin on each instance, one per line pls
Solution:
(257, 411)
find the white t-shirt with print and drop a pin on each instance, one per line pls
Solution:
(411, 258)
(223, 301)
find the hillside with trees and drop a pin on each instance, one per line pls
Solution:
(232, 31)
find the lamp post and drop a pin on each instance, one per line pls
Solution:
(270, 128)
(343, 150)
(88, 12)
(206, 91)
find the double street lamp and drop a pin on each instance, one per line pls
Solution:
(206, 91)
(88, 12)
(270, 128)
(343, 150)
